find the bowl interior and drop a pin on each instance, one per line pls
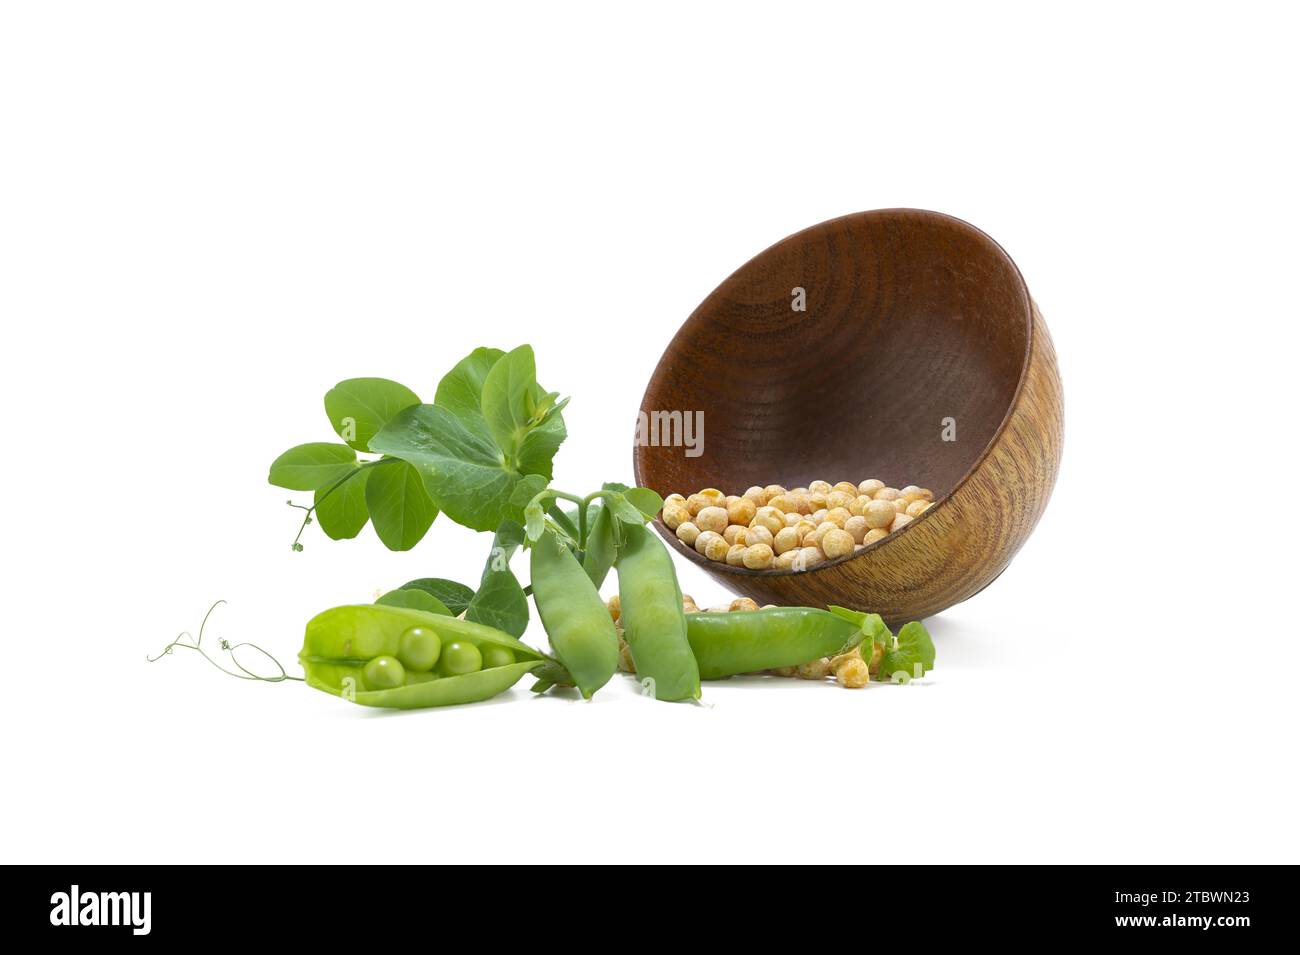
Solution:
(901, 364)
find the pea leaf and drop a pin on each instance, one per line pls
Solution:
(507, 540)
(461, 464)
(415, 600)
(543, 439)
(648, 502)
(455, 596)
(399, 505)
(500, 601)
(509, 395)
(311, 466)
(461, 389)
(342, 512)
(622, 509)
(602, 547)
(359, 407)
(913, 654)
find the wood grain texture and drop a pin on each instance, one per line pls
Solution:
(912, 318)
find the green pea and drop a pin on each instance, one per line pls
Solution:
(384, 673)
(496, 656)
(653, 622)
(460, 657)
(418, 649)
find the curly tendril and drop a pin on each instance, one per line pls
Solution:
(230, 648)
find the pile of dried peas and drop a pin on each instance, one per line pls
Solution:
(771, 527)
(849, 669)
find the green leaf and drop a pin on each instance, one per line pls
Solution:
(622, 509)
(648, 502)
(399, 506)
(359, 407)
(342, 512)
(509, 393)
(500, 601)
(461, 389)
(913, 655)
(455, 596)
(602, 547)
(414, 599)
(311, 466)
(529, 486)
(505, 543)
(537, 451)
(462, 466)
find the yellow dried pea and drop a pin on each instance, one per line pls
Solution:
(758, 557)
(838, 515)
(675, 515)
(712, 518)
(716, 549)
(873, 535)
(787, 538)
(734, 534)
(886, 494)
(771, 491)
(900, 521)
(769, 517)
(814, 669)
(870, 487)
(838, 499)
(809, 557)
(857, 527)
(917, 507)
(687, 533)
(819, 487)
(743, 605)
(736, 555)
(758, 534)
(880, 513)
(853, 674)
(741, 510)
(837, 543)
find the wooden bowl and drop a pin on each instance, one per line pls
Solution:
(917, 329)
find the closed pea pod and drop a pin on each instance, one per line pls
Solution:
(726, 644)
(577, 622)
(654, 624)
(379, 655)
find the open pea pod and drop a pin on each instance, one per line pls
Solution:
(379, 655)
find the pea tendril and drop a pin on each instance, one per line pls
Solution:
(246, 674)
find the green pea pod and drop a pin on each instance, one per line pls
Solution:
(580, 629)
(380, 655)
(726, 644)
(653, 622)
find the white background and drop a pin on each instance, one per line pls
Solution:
(210, 213)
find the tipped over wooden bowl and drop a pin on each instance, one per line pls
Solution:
(918, 358)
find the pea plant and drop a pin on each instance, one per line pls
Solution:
(481, 454)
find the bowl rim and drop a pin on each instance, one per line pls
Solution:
(1028, 303)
